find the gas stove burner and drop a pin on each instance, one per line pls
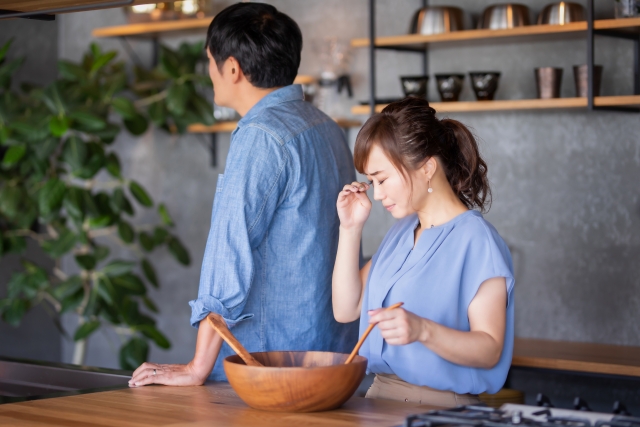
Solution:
(512, 415)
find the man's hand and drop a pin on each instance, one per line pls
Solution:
(153, 373)
(195, 372)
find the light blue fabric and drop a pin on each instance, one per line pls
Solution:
(437, 280)
(274, 230)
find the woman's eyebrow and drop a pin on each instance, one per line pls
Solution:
(374, 173)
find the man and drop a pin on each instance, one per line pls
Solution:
(274, 229)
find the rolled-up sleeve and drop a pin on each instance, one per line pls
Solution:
(246, 198)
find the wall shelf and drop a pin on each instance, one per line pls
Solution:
(418, 41)
(518, 104)
(222, 127)
(153, 29)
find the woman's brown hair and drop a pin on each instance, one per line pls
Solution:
(409, 133)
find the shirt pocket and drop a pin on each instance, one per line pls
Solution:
(220, 183)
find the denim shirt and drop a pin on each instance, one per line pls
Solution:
(272, 244)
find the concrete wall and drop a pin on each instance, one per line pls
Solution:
(565, 182)
(36, 337)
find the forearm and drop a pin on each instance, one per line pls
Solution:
(208, 346)
(475, 348)
(347, 284)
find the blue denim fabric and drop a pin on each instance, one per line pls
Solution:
(274, 231)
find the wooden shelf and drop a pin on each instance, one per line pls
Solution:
(411, 40)
(518, 104)
(222, 127)
(44, 6)
(577, 357)
(151, 29)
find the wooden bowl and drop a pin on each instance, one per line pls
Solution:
(295, 381)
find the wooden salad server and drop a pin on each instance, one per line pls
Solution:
(366, 334)
(220, 326)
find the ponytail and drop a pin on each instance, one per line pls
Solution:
(409, 132)
(467, 172)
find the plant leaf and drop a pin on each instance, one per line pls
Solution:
(75, 152)
(137, 125)
(160, 235)
(51, 196)
(119, 202)
(70, 71)
(164, 215)
(69, 287)
(100, 222)
(15, 311)
(151, 332)
(117, 268)
(134, 353)
(125, 231)
(130, 282)
(149, 272)
(101, 252)
(60, 246)
(179, 252)
(140, 194)
(86, 329)
(14, 154)
(58, 125)
(87, 262)
(146, 241)
(88, 121)
(177, 97)
(124, 107)
(149, 304)
(113, 165)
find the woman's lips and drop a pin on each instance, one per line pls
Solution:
(389, 207)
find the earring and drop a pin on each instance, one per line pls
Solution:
(430, 190)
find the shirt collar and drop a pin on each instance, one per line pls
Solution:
(278, 96)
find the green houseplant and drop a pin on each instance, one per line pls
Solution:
(62, 186)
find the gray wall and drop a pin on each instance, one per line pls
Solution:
(36, 337)
(565, 182)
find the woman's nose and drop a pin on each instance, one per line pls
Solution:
(377, 193)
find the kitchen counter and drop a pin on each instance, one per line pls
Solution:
(211, 404)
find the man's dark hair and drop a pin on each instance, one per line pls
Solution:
(266, 43)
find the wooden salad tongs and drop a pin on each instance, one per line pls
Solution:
(220, 326)
(366, 334)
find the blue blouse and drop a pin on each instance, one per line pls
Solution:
(437, 280)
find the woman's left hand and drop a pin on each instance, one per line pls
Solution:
(399, 326)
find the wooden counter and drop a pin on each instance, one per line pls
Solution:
(577, 357)
(212, 404)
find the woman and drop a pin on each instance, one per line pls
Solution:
(453, 338)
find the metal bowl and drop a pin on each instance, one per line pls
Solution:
(504, 15)
(437, 20)
(562, 13)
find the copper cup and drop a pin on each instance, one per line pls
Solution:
(581, 76)
(548, 82)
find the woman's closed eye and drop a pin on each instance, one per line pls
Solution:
(379, 182)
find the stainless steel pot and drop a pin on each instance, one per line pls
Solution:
(562, 13)
(504, 15)
(437, 20)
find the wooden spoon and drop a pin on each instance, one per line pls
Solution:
(220, 326)
(366, 333)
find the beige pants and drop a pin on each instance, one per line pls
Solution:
(391, 387)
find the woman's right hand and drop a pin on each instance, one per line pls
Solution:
(353, 205)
